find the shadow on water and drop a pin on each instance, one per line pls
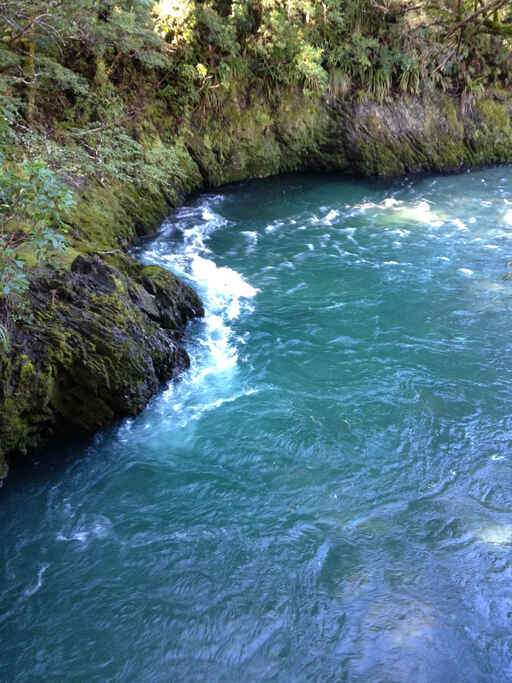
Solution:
(48, 462)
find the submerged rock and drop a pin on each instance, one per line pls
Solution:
(100, 342)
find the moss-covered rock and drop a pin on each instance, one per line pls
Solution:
(254, 137)
(99, 345)
(413, 135)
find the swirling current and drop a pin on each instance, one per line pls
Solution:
(326, 495)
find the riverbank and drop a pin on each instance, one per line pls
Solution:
(103, 332)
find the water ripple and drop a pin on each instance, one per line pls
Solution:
(326, 494)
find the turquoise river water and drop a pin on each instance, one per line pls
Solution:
(326, 495)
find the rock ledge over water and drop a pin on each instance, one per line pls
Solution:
(99, 343)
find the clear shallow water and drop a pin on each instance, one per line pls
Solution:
(327, 494)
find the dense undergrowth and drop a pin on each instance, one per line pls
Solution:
(84, 83)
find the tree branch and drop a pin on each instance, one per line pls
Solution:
(496, 28)
(490, 7)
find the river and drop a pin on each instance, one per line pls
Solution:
(326, 495)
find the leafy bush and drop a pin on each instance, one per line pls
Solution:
(32, 205)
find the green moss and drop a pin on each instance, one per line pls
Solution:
(451, 114)
(492, 140)
(32, 393)
(160, 278)
(417, 136)
(495, 115)
(107, 217)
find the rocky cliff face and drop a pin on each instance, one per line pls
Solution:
(407, 135)
(104, 331)
(415, 135)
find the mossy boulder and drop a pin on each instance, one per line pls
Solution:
(99, 345)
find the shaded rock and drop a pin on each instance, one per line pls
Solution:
(99, 345)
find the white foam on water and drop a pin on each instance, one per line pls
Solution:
(350, 232)
(331, 216)
(365, 206)
(420, 212)
(496, 534)
(389, 202)
(297, 288)
(465, 271)
(80, 536)
(196, 411)
(207, 215)
(100, 528)
(459, 224)
(342, 252)
(225, 295)
(31, 590)
(252, 238)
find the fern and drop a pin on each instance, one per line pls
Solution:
(340, 83)
(4, 337)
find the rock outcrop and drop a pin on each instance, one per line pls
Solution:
(99, 343)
